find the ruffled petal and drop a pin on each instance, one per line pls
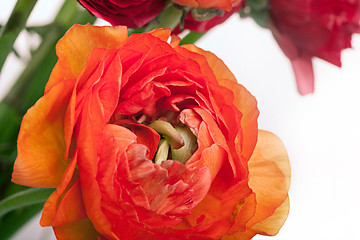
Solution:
(269, 171)
(80, 230)
(247, 105)
(214, 215)
(247, 235)
(219, 68)
(52, 203)
(40, 161)
(272, 224)
(71, 209)
(74, 48)
(269, 226)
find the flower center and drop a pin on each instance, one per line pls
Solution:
(176, 143)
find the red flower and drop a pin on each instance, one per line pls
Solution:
(308, 28)
(149, 140)
(133, 14)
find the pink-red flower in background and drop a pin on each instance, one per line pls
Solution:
(146, 139)
(133, 14)
(313, 28)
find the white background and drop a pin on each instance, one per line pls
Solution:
(321, 131)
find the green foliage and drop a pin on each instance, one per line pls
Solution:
(24, 198)
(13, 27)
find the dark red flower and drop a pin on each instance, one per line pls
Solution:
(133, 14)
(308, 28)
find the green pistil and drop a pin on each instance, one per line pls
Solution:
(181, 141)
(162, 152)
(184, 153)
(172, 136)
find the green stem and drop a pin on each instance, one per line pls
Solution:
(13, 27)
(191, 38)
(170, 17)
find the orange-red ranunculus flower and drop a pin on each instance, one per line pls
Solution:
(145, 139)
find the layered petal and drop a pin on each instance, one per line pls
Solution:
(80, 230)
(69, 178)
(269, 173)
(73, 49)
(40, 161)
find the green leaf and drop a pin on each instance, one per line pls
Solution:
(261, 17)
(24, 198)
(257, 5)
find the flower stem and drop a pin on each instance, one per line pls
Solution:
(170, 17)
(191, 38)
(13, 27)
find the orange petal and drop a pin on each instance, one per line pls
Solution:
(53, 202)
(269, 172)
(74, 48)
(175, 40)
(212, 151)
(71, 208)
(247, 235)
(247, 105)
(40, 161)
(272, 224)
(219, 68)
(245, 210)
(214, 212)
(80, 230)
(103, 68)
(162, 33)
